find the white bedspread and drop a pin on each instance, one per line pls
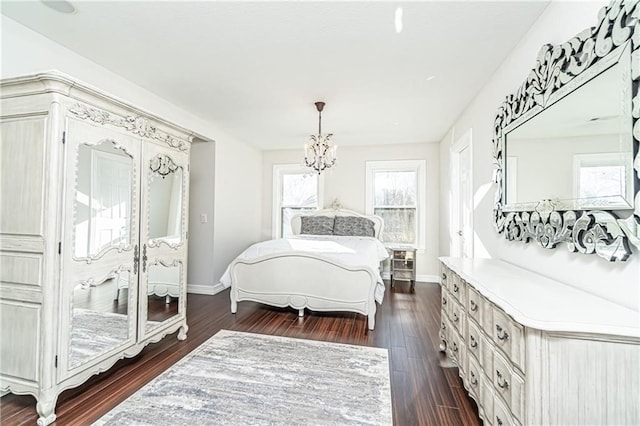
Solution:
(352, 251)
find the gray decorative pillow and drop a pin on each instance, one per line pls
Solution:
(316, 225)
(354, 226)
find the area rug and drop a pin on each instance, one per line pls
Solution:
(252, 379)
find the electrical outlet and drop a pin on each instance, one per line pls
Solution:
(203, 218)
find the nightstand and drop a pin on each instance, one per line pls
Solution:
(403, 265)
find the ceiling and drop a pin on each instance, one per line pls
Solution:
(256, 68)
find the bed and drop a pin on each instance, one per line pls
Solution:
(322, 268)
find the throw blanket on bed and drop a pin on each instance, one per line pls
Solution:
(352, 251)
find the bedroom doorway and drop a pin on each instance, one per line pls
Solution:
(461, 231)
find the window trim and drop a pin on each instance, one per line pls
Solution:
(418, 166)
(276, 208)
(604, 159)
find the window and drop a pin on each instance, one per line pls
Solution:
(603, 175)
(395, 191)
(295, 191)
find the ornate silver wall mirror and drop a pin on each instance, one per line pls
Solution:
(566, 143)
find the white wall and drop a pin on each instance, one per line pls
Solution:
(238, 193)
(237, 214)
(202, 201)
(346, 182)
(559, 179)
(619, 282)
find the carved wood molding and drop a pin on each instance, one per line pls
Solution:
(135, 124)
(589, 231)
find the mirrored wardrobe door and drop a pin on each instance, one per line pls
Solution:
(163, 237)
(100, 244)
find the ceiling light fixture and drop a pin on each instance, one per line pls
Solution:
(61, 6)
(320, 155)
(398, 20)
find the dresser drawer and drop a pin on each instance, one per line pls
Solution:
(508, 336)
(445, 329)
(403, 275)
(501, 415)
(456, 349)
(487, 316)
(445, 277)
(487, 396)
(399, 265)
(446, 302)
(474, 341)
(486, 356)
(458, 318)
(508, 385)
(457, 289)
(474, 301)
(473, 378)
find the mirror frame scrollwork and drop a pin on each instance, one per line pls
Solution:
(556, 71)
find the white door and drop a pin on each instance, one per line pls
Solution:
(99, 245)
(461, 237)
(163, 237)
(110, 198)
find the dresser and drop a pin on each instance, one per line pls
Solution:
(533, 351)
(93, 234)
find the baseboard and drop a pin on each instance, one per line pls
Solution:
(205, 289)
(423, 278)
(427, 278)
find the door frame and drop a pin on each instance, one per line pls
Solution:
(462, 143)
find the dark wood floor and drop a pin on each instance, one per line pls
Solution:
(423, 392)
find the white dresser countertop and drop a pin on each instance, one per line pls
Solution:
(542, 303)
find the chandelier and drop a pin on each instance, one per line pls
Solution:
(319, 154)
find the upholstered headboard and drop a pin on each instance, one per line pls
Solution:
(378, 223)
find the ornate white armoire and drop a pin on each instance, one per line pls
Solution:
(93, 234)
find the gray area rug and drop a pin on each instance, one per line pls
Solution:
(253, 379)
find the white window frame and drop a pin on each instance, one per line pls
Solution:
(279, 170)
(418, 166)
(615, 159)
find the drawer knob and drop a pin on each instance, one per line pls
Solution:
(444, 276)
(501, 381)
(444, 300)
(455, 317)
(455, 347)
(473, 380)
(498, 421)
(500, 333)
(474, 342)
(455, 288)
(474, 305)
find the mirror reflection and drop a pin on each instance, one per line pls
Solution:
(165, 200)
(98, 323)
(103, 199)
(579, 148)
(163, 290)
